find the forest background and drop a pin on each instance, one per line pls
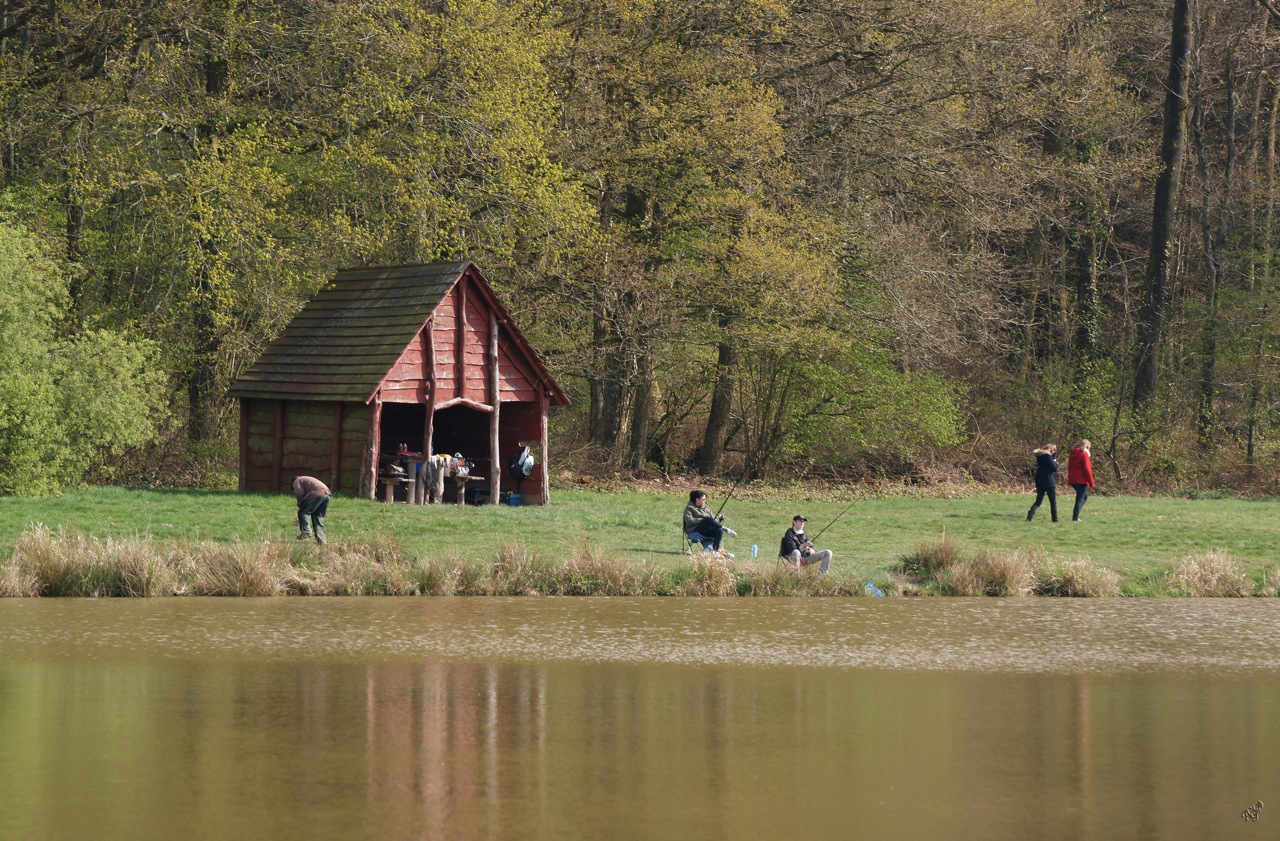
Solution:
(778, 239)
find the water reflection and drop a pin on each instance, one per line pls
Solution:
(486, 718)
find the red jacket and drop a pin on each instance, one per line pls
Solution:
(1079, 468)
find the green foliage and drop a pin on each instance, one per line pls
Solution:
(65, 400)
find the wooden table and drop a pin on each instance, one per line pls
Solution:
(414, 478)
(461, 482)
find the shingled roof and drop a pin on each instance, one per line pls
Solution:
(340, 347)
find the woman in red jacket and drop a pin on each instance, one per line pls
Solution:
(1080, 474)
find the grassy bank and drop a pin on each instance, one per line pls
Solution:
(1141, 541)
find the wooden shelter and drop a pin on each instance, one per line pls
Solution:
(424, 356)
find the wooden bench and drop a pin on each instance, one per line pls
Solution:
(389, 486)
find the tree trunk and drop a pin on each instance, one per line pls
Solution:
(605, 418)
(1084, 271)
(721, 407)
(1213, 235)
(642, 406)
(202, 380)
(1264, 281)
(1151, 314)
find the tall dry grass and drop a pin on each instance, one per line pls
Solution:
(1212, 574)
(68, 563)
(930, 560)
(989, 574)
(943, 569)
(1076, 578)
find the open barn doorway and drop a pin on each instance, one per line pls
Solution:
(402, 429)
(462, 429)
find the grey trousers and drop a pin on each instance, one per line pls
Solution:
(817, 556)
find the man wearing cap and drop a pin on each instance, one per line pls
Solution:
(798, 548)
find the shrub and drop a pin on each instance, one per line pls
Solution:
(65, 400)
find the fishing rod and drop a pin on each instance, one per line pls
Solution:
(737, 482)
(830, 524)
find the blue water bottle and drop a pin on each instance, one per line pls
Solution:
(755, 550)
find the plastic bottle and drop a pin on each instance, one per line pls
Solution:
(755, 550)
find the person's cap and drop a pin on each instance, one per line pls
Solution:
(798, 517)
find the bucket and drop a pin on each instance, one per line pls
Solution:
(513, 500)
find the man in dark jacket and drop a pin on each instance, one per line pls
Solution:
(313, 504)
(798, 548)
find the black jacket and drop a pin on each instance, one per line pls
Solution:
(1046, 471)
(792, 541)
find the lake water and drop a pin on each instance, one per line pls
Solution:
(592, 718)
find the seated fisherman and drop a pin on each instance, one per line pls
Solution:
(798, 548)
(702, 526)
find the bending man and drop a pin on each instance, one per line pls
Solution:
(313, 504)
(798, 548)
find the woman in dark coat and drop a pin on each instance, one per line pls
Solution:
(1046, 481)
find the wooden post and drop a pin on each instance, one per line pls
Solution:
(495, 399)
(279, 451)
(369, 467)
(543, 408)
(429, 426)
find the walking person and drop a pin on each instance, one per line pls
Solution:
(313, 504)
(1080, 474)
(1046, 480)
(702, 526)
(798, 548)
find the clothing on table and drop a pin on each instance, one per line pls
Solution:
(793, 549)
(1046, 484)
(313, 504)
(701, 527)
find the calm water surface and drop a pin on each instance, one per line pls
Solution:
(592, 718)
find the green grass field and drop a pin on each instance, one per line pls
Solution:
(1135, 537)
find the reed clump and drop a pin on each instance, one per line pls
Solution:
(989, 574)
(69, 563)
(929, 560)
(1270, 583)
(1212, 574)
(233, 569)
(1079, 577)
